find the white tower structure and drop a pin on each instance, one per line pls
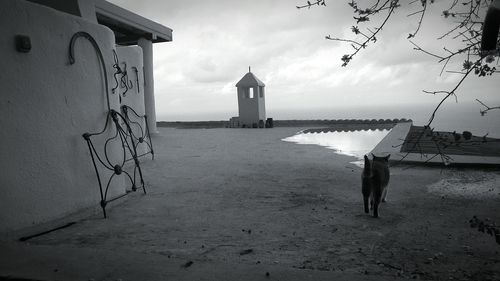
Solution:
(251, 101)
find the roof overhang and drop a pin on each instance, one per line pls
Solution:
(129, 27)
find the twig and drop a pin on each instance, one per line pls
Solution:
(309, 4)
(411, 35)
(488, 108)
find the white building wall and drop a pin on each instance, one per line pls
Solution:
(131, 57)
(46, 105)
(248, 107)
(262, 104)
(251, 110)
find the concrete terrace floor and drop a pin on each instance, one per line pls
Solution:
(235, 204)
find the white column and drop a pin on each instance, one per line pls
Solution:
(149, 87)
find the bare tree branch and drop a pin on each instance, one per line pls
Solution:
(467, 32)
(424, 4)
(488, 108)
(309, 4)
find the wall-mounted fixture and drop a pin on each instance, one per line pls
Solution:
(136, 76)
(23, 43)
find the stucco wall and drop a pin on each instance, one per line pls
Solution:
(262, 104)
(251, 110)
(131, 57)
(45, 106)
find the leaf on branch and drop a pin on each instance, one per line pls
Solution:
(355, 29)
(410, 36)
(467, 64)
(361, 19)
(309, 4)
(346, 59)
(365, 12)
(484, 70)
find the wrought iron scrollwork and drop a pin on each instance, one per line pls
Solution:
(118, 71)
(119, 125)
(143, 137)
(91, 39)
(125, 82)
(124, 135)
(136, 77)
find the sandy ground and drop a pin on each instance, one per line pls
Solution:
(243, 197)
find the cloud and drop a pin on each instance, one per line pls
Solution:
(216, 40)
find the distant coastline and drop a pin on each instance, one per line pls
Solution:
(347, 124)
(459, 117)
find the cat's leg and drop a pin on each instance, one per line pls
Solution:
(385, 184)
(375, 208)
(365, 201)
(377, 195)
(384, 195)
(366, 190)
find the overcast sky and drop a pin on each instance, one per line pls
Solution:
(214, 42)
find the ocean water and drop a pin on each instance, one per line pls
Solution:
(353, 143)
(451, 117)
(459, 117)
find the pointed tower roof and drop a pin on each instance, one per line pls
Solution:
(249, 80)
